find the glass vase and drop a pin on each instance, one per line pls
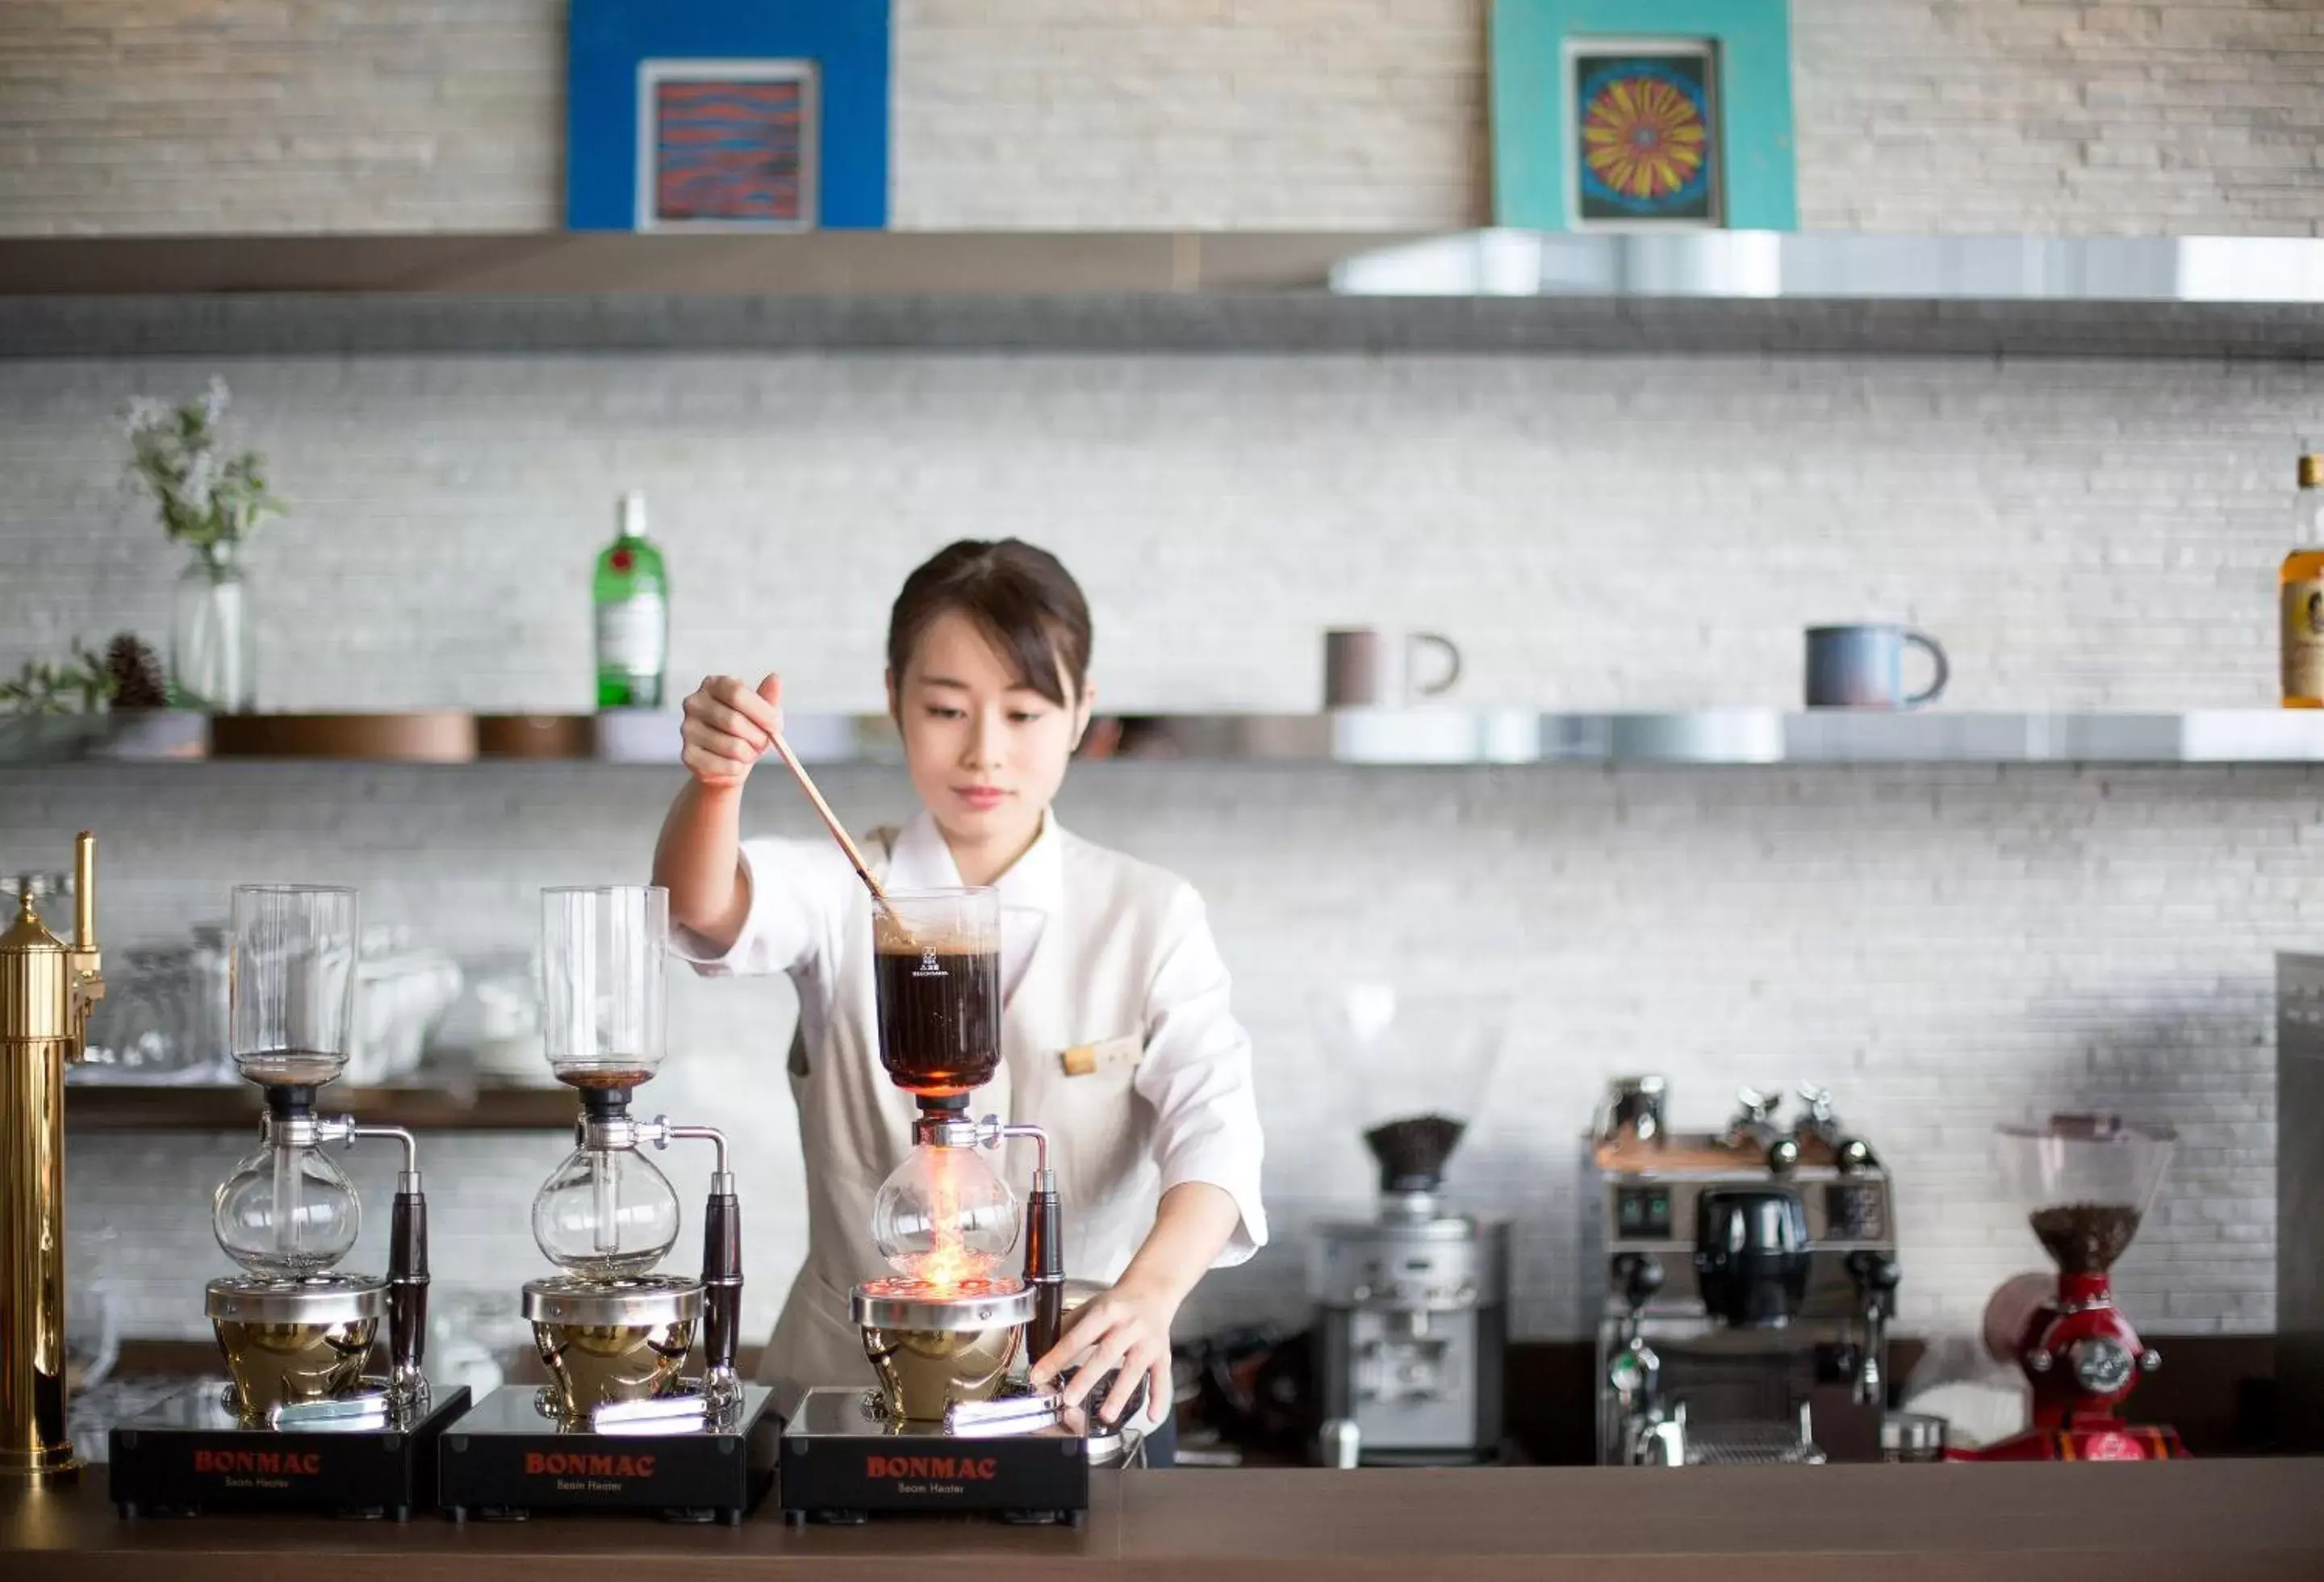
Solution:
(212, 661)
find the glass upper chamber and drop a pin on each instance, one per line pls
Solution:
(286, 1212)
(604, 984)
(291, 983)
(2085, 1183)
(606, 1211)
(944, 1216)
(1416, 1065)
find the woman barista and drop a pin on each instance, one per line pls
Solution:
(1156, 1143)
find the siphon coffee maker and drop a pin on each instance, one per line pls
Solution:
(300, 1425)
(2087, 1182)
(951, 1331)
(619, 1426)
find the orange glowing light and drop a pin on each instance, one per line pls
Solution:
(943, 1218)
(947, 1262)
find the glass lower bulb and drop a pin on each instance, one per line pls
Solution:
(285, 1212)
(606, 1211)
(943, 1217)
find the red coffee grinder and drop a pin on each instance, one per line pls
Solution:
(2086, 1182)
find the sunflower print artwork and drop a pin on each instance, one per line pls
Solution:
(1645, 141)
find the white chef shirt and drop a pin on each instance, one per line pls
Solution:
(1195, 1073)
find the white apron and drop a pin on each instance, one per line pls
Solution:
(1084, 983)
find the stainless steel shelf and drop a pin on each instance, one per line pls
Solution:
(1735, 736)
(1384, 738)
(1488, 292)
(1841, 265)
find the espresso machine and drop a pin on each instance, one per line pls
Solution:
(1750, 1274)
(47, 988)
(952, 1425)
(619, 1426)
(2086, 1182)
(1411, 1305)
(302, 1425)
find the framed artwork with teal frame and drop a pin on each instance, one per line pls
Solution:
(1642, 115)
(728, 115)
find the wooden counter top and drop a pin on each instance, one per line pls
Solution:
(2224, 1520)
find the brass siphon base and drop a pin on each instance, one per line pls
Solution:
(611, 1340)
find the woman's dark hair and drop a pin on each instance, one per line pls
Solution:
(1020, 597)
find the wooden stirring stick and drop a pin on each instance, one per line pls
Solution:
(831, 822)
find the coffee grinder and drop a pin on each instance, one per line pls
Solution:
(1412, 1306)
(300, 1426)
(2086, 1182)
(952, 1426)
(618, 1427)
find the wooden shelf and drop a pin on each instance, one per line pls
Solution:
(614, 263)
(123, 1108)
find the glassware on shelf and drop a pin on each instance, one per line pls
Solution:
(494, 1027)
(209, 1004)
(405, 987)
(136, 1034)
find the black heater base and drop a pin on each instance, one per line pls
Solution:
(508, 1459)
(844, 1464)
(190, 1457)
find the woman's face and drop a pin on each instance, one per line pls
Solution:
(986, 754)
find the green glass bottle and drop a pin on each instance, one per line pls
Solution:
(632, 599)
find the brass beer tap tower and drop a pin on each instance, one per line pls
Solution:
(46, 990)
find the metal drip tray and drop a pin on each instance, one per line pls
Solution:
(1750, 1444)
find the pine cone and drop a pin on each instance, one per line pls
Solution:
(135, 673)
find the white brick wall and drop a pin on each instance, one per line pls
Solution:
(1596, 531)
(1942, 949)
(1959, 116)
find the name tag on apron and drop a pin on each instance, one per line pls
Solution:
(1115, 1054)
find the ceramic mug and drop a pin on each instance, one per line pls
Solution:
(1368, 669)
(1863, 667)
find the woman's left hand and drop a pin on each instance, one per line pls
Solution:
(1128, 1327)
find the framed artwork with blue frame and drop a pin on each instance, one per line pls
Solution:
(1642, 114)
(728, 115)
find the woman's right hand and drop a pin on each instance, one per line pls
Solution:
(728, 728)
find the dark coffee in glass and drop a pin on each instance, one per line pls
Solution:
(937, 972)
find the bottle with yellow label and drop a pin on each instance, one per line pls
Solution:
(2300, 593)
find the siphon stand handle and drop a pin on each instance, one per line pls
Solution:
(722, 1261)
(721, 1278)
(407, 1291)
(1045, 1269)
(407, 1244)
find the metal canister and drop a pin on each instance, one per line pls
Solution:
(1912, 1436)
